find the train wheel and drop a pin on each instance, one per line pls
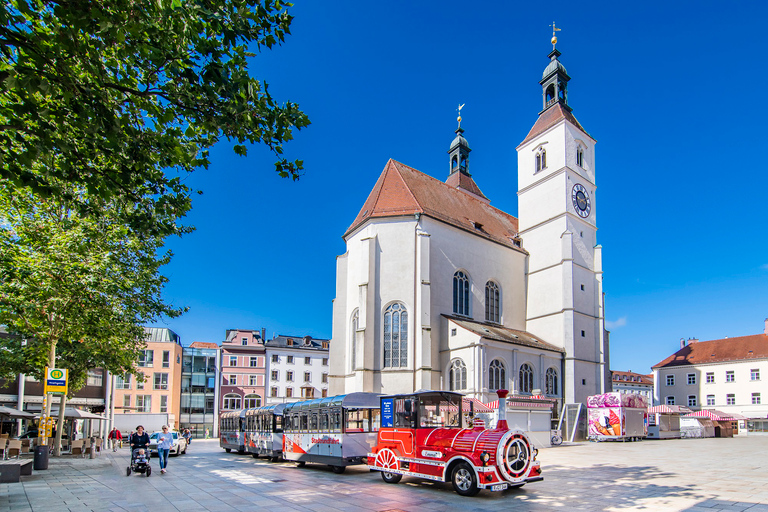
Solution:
(391, 478)
(255, 455)
(464, 480)
(301, 464)
(338, 469)
(227, 450)
(274, 459)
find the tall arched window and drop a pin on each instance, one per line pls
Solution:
(580, 157)
(461, 293)
(497, 375)
(458, 375)
(492, 296)
(395, 336)
(541, 159)
(353, 339)
(551, 381)
(526, 378)
(231, 401)
(251, 401)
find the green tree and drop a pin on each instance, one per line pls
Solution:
(124, 96)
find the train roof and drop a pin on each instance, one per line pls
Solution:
(369, 400)
(234, 414)
(425, 392)
(273, 408)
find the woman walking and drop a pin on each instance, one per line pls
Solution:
(164, 444)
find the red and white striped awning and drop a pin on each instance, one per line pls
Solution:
(537, 401)
(668, 409)
(715, 415)
(477, 404)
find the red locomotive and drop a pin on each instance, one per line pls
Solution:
(431, 435)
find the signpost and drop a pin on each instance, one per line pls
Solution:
(55, 383)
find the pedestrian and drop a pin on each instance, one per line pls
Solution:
(164, 444)
(187, 435)
(207, 434)
(114, 437)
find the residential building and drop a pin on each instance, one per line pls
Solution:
(630, 382)
(199, 389)
(160, 364)
(729, 374)
(242, 368)
(297, 368)
(438, 289)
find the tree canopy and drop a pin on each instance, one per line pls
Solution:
(105, 106)
(124, 96)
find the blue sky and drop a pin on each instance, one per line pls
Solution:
(673, 93)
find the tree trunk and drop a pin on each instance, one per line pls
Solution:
(60, 430)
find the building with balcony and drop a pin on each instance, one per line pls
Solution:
(297, 368)
(199, 390)
(160, 364)
(243, 369)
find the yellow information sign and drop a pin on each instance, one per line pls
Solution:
(56, 381)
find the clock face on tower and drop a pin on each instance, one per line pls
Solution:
(581, 202)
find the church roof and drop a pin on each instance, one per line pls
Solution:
(504, 334)
(464, 181)
(402, 190)
(716, 351)
(550, 118)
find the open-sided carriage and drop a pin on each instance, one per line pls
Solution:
(264, 431)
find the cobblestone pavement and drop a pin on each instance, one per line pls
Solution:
(681, 475)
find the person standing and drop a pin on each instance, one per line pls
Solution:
(164, 444)
(114, 437)
(207, 434)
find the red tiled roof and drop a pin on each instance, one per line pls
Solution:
(402, 190)
(203, 344)
(550, 118)
(715, 351)
(463, 181)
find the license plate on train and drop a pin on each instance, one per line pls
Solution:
(499, 487)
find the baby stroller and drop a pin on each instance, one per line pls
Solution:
(139, 463)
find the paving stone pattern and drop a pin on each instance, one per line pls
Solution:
(694, 475)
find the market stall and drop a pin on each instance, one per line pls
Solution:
(617, 416)
(723, 424)
(664, 421)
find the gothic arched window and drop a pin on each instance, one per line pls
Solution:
(395, 336)
(492, 297)
(461, 293)
(580, 157)
(454, 163)
(458, 376)
(526, 378)
(551, 382)
(497, 375)
(353, 339)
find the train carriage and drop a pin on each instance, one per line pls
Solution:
(430, 435)
(264, 431)
(232, 431)
(339, 431)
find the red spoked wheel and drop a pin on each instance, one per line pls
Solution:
(387, 460)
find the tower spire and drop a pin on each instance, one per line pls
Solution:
(459, 150)
(554, 80)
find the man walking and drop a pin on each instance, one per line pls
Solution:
(114, 437)
(164, 444)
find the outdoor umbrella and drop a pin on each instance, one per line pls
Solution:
(15, 413)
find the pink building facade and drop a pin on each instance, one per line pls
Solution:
(242, 370)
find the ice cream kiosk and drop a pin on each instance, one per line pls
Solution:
(617, 416)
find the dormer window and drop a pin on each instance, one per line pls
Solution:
(541, 159)
(580, 157)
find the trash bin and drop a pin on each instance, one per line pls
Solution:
(41, 458)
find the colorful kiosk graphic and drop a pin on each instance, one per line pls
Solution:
(617, 416)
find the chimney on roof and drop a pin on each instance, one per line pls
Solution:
(693, 340)
(682, 342)
(766, 326)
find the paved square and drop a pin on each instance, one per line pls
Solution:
(675, 475)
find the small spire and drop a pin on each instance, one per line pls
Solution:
(554, 34)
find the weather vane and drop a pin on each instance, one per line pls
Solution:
(555, 30)
(459, 111)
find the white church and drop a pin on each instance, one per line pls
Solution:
(438, 289)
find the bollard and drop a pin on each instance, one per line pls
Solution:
(92, 454)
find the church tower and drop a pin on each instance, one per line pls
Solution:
(558, 226)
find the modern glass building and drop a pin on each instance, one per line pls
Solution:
(199, 392)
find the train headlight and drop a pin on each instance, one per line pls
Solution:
(485, 457)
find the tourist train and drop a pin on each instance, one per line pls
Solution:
(433, 435)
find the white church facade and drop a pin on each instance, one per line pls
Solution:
(438, 289)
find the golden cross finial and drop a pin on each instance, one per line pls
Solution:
(459, 111)
(554, 34)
